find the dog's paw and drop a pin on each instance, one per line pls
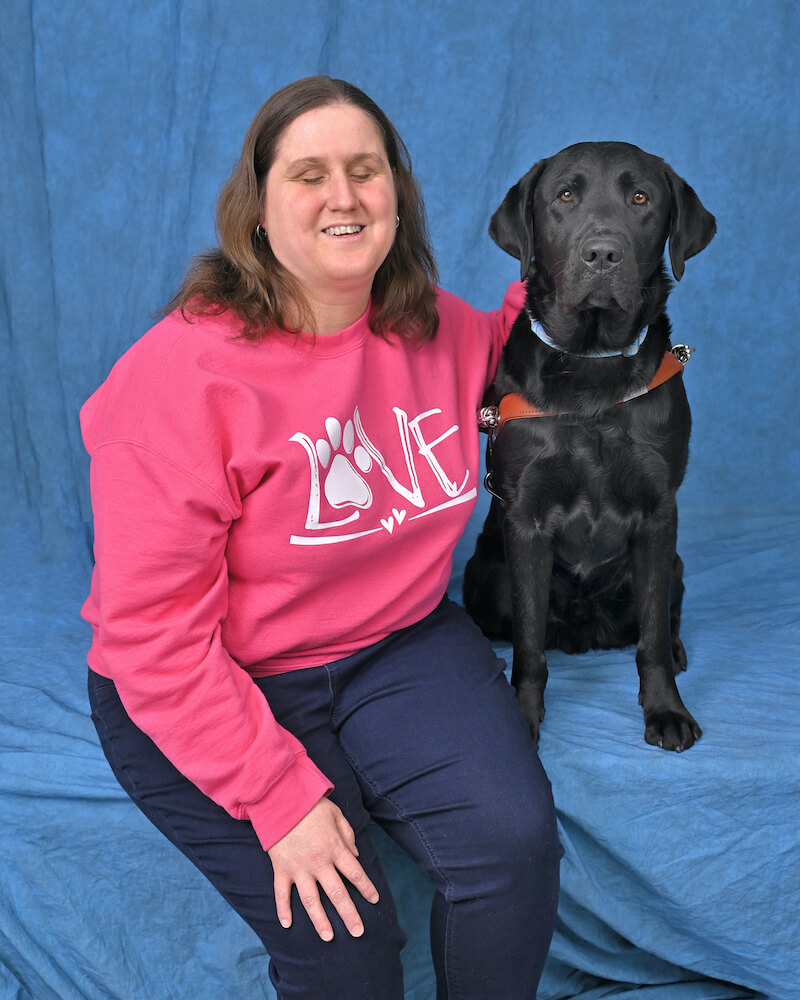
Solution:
(531, 700)
(671, 730)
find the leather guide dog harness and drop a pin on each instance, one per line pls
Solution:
(515, 407)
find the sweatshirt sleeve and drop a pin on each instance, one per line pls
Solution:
(501, 321)
(159, 597)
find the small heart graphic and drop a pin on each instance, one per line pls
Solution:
(399, 514)
(388, 523)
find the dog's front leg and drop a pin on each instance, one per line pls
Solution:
(668, 723)
(529, 554)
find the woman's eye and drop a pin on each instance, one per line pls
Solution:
(640, 198)
(361, 177)
(566, 195)
(311, 180)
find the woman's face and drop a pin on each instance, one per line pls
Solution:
(330, 204)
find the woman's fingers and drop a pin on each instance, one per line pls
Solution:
(336, 891)
(314, 856)
(347, 832)
(351, 868)
(308, 891)
(283, 899)
(330, 881)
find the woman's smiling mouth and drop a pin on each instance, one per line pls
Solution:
(342, 230)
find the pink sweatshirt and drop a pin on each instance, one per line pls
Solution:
(267, 507)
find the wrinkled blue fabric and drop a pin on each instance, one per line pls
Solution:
(681, 874)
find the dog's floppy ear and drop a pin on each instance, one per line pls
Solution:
(512, 224)
(691, 226)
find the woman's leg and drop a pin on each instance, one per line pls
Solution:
(446, 764)
(227, 851)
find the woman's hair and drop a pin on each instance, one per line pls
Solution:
(243, 274)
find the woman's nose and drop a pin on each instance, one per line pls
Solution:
(341, 192)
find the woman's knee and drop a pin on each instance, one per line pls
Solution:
(539, 850)
(511, 845)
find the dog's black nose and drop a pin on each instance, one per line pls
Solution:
(601, 253)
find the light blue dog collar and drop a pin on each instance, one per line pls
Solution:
(628, 352)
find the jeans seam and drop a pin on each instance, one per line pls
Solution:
(400, 815)
(331, 697)
(449, 971)
(369, 782)
(448, 932)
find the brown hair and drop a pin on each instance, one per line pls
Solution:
(243, 274)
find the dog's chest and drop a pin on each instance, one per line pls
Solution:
(584, 482)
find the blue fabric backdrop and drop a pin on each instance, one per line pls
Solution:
(119, 124)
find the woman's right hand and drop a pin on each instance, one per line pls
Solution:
(315, 854)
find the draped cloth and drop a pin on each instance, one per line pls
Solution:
(681, 874)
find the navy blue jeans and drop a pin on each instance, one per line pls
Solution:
(421, 733)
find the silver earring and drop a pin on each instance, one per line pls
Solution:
(260, 232)
(397, 224)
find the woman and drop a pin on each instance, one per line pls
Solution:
(281, 469)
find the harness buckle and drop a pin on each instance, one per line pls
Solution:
(488, 418)
(683, 352)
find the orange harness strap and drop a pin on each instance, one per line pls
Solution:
(515, 407)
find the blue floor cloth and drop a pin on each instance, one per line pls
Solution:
(681, 875)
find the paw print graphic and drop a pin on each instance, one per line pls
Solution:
(343, 461)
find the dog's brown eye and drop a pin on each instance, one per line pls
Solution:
(566, 196)
(640, 198)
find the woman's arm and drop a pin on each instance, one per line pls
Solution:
(159, 597)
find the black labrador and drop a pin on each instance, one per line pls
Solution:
(578, 548)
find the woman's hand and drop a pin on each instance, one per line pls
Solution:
(314, 854)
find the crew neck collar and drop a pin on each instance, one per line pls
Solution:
(330, 345)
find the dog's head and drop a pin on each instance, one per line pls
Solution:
(594, 219)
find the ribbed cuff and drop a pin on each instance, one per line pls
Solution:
(291, 798)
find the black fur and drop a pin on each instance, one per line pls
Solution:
(581, 555)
